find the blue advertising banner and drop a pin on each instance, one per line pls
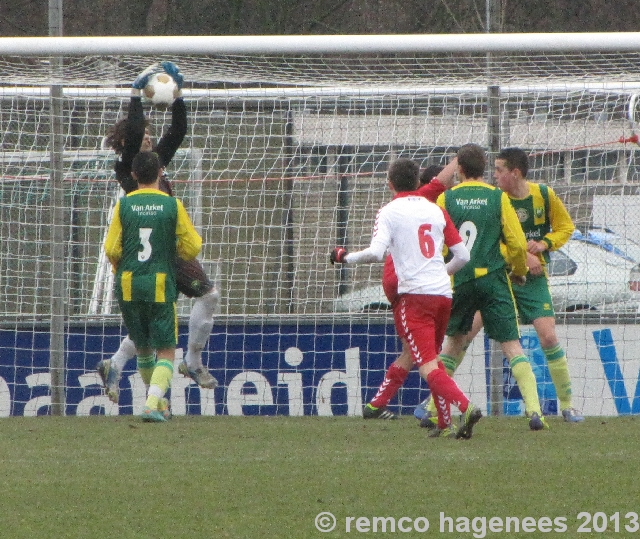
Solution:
(265, 369)
(296, 369)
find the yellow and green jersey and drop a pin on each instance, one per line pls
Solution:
(543, 217)
(149, 229)
(484, 217)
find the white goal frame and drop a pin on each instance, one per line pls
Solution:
(322, 44)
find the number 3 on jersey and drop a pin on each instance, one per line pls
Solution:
(145, 254)
(427, 246)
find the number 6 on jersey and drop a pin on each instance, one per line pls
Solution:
(427, 246)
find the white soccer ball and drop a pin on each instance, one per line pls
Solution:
(161, 90)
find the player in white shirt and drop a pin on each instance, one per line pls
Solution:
(414, 231)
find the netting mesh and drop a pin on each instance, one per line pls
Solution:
(337, 70)
(276, 181)
(285, 158)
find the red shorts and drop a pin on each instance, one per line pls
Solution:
(422, 320)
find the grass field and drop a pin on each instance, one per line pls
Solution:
(268, 477)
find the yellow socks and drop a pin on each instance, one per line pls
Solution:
(159, 383)
(559, 371)
(522, 372)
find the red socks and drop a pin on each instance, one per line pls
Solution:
(442, 385)
(393, 380)
(444, 411)
(442, 406)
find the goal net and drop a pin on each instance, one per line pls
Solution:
(286, 157)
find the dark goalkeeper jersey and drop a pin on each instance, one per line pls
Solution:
(149, 229)
(166, 148)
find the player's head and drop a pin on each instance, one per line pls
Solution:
(511, 167)
(429, 173)
(472, 161)
(116, 135)
(146, 167)
(403, 175)
(515, 158)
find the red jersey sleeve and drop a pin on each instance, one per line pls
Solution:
(432, 190)
(390, 280)
(451, 234)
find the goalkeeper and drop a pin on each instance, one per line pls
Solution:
(128, 137)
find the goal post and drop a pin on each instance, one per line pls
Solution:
(288, 143)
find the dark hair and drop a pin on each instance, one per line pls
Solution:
(403, 174)
(146, 167)
(117, 133)
(429, 173)
(472, 160)
(515, 158)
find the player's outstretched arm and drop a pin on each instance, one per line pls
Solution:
(373, 253)
(171, 140)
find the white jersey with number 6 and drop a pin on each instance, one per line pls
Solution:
(414, 231)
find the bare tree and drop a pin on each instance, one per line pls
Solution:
(226, 17)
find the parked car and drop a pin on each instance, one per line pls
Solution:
(612, 241)
(586, 275)
(627, 248)
(583, 275)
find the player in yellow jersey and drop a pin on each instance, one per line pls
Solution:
(547, 226)
(485, 217)
(148, 231)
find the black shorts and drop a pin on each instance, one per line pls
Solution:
(191, 279)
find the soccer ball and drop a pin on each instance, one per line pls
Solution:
(161, 90)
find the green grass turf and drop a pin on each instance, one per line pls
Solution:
(268, 477)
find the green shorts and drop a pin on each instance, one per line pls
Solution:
(533, 299)
(151, 325)
(492, 296)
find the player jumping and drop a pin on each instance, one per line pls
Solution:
(127, 137)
